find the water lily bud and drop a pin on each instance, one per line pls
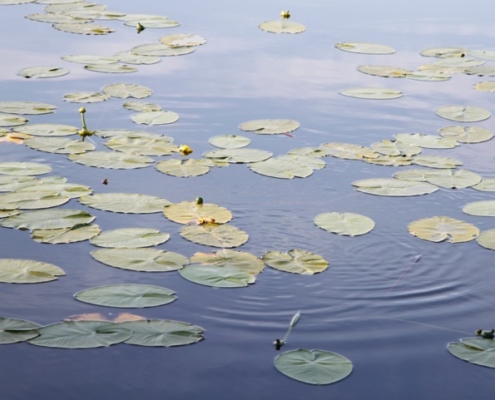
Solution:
(185, 150)
(285, 14)
(199, 200)
(82, 110)
(139, 27)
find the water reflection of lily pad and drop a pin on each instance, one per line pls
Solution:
(296, 261)
(76, 233)
(215, 235)
(27, 271)
(130, 238)
(439, 229)
(346, 224)
(127, 203)
(463, 113)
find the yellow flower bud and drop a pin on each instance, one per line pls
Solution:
(185, 150)
(82, 110)
(285, 14)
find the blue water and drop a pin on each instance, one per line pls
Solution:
(391, 316)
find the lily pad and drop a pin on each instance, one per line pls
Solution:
(427, 141)
(71, 190)
(452, 179)
(288, 166)
(393, 161)
(27, 271)
(229, 141)
(76, 233)
(477, 351)
(182, 39)
(117, 68)
(348, 151)
(126, 90)
(384, 71)
(149, 21)
(59, 145)
(486, 185)
(14, 330)
(146, 260)
(466, 134)
(43, 72)
(486, 239)
(34, 200)
(26, 107)
(182, 168)
(436, 162)
(111, 160)
(485, 86)
(459, 62)
(395, 148)
(23, 168)
(127, 296)
(130, 238)
(220, 277)
(81, 335)
(442, 52)
(239, 155)
(243, 261)
(480, 208)
(269, 126)
(48, 130)
(161, 50)
(429, 75)
(296, 261)
(86, 97)
(140, 106)
(346, 224)
(14, 2)
(372, 93)
(11, 120)
(48, 219)
(365, 48)
(153, 118)
(282, 26)
(483, 54)
(84, 28)
(189, 211)
(393, 187)
(9, 183)
(215, 235)
(463, 113)
(127, 57)
(127, 203)
(145, 146)
(482, 70)
(53, 18)
(439, 229)
(90, 59)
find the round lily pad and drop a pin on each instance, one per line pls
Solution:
(215, 235)
(149, 21)
(48, 130)
(32, 200)
(43, 72)
(83, 28)
(346, 224)
(384, 71)
(393, 187)
(86, 97)
(466, 134)
(463, 113)
(296, 261)
(229, 141)
(288, 166)
(395, 148)
(486, 185)
(452, 179)
(182, 168)
(436, 162)
(11, 120)
(486, 239)
(145, 146)
(153, 118)
(53, 18)
(427, 141)
(477, 351)
(189, 211)
(23, 168)
(348, 151)
(372, 93)
(76, 233)
(130, 238)
(126, 90)
(441, 52)
(111, 160)
(140, 106)
(230, 258)
(439, 229)
(269, 126)
(484, 54)
(239, 155)
(27, 271)
(282, 26)
(13, 330)
(59, 145)
(129, 58)
(116, 68)
(26, 107)
(48, 219)
(480, 208)
(363, 47)
(127, 203)
(182, 39)
(71, 190)
(219, 277)
(161, 50)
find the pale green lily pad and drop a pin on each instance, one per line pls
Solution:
(296, 261)
(485, 86)
(48, 130)
(86, 97)
(11, 120)
(480, 208)
(146, 146)
(288, 166)
(345, 224)
(182, 39)
(391, 161)
(215, 235)
(282, 26)
(9, 183)
(229, 141)
(269, 126)
(26, 107)
(23, 168)
(395, 148)
(466, 134)
(483, 54)
(239, 155)
(384, 71)
(307, 151)
(130, 238)
(13, 330)
(348, 151)
(64, 7)
(452, 179)
(190, 212)
(463, 113)
(153, 118)
(315, 367)
(96, 14)
(81, 335)
(105, 133)
(127, 203)
(76, 233)
(426, 141)
(219, 277)
(161, 50)
(393, 187)
(34, 200)
(243, 261)
(439, 229)
(27, 271)
(162, 333)
(474, 350)
(127, 57)
(146, 260)
(71, 190)
(436, 162)
(91, 59)
(56, 1)
(52, 18)
(486, 185)
(48, 219)
(444, 52)
(84, 29)
(117, 68)
(111, 160)
(365, 48)
(59, 145)
(482, 70)
(140, 106)
(149, 21)
(486, 239)
(15, 2)
(43, 72)
(459, 62)
(182, 168)
(127, 296)
(126, 90)
(5, 212)
(372, 93)
(430, 76)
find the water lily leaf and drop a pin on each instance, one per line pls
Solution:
(346, 224)
(146, 260)
(76, 233)
(9, 183)
(130, 238)
(8, 211)
(372, 93)
(296, 261)
(86, 97)
(65, 7)
(140, 106)
(121, 317)
(11, 120)
(365, 48)
(48, 219)
(96, 14)
(480, 208)
(393, 161)
(111, 160)
(384, 71)
(26, 107)
(23, 168)
(84, 28)
(149, 21)
(34, 200)
(126, 90)
(282, 26)
(463, 113)
(14, 2)
(239, 155)
(27, 271)
(215, 235)
(91, 59)
(182, 168)
(486, 185)
(81, 335)
(189, 211)
(444, 52)
(182, 39)
(427, 141)
(482, 70)
(439, 229)
(155, 117)
(163, 333)
(243, 261)
(393, 187)
(229, 141)
(146, 146)
(71, 190)
(48, 130)
(43, 72)
(116, 68)
(436, 75)
(466, 134)
(288, 166)
(127, 203)
(307, 151)
(59, 145)
(127, 296)
(485, 86)
(316, 367)
(486, 239)
(348, 151)
(104, 133)
(269, 126)
(436, 162)
(14, 330)
(451, 179)
(395, 148)
(484, 54)
(459, 62)
(129, 58)
(477, 351)
(53, 18)
(161, 50)
(220, 277)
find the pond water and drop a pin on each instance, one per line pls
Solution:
(391, 316)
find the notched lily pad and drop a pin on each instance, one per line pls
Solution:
(76, 233)
(13, 330)
(23, 168)
(26, 107)
(182, 168)
(219, 277)
(230, 258)
(86, 97)
(239, 155)
(475, 350)
(463, 113)
(269, 126)
(439, 229)
(153, 118)
(111, 160)
(229, 141)
(43, 72)
(130, 238)
(365, 48)
(296, 261)
(346, 224)
(126, 90)
(215, 235)
(84, 28)
(190, 212)
(393, 187)
(466, 134)
(127, 203)
(27, 271)
(282, 26)
(182, 39)
(48, 219)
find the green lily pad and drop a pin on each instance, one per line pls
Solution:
(442, 52)
(161, 50)
(485, 86)
(162, 333)
(48, 130)
(53, 18)
(127, 57)
(486, 185)
(486, 239)
(86, 97)
(182, 168)
(296, 261)
(393, 187)
(439, 229)
(9, 183)
(480, 208)
(76, 233)
(11, 120)
(452, 179)
(243, 261)
(130, 238)
(229, 141)
(429, 75)
(239, 155)
(149, 21)
(365, 48)
(48, 219)
(315, 367)
(348, 151)
(90, 59)
(26, 107)
(182, 39)
(394, 161)
(111, 160)
(127, 296)
(140, 106)
(34, 200)
(14, 2)
(59, 145)
(466, 134)
(395, 148)
(81, 335)
(43, 72)
(126, 90)
(219, 277)
(14, 330)
(71, 190)
(477, 351)
(146, 260)
(64, 7)
(459, 62)
(427, 141)
(384, 71)
(145, 146)
(269, 126)
(282, 26)
(463, 113)
(127, 203)
(117, 68)
(189, 211)
(288, 166)
(84, 28)
(346, 224)
(307, 151)
(27, 271)
(97, 14)
(482, 70)
(153, 118)
(23, 168)
(483, 54)
(436, 162)
(372, 93)
(215, 235)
